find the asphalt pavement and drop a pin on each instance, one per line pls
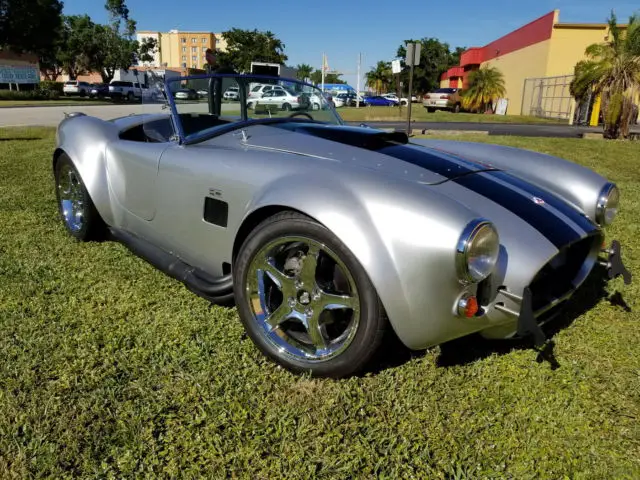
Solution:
(52, 115)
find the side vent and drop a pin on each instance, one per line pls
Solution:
(216, 211)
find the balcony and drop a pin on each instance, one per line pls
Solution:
(472, 56)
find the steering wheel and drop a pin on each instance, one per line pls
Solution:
(305, 114)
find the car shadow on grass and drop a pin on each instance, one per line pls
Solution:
(474, 347)
(19, 139)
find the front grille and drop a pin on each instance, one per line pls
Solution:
(564, 272)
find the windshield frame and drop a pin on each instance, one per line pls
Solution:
(243, 80)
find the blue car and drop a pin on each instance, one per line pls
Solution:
(379, 101)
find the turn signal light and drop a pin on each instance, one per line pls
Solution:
(468, 306)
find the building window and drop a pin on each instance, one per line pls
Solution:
(194, 59)
(183, 40)
(184, 64)
(194, 49)
(184, 49)
(204, 40)
(193, 39)
(204, 49)
(184, 57)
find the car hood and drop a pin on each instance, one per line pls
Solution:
(386, 152)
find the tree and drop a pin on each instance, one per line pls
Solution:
(30, 25)
(316, 77)
(246, 46)
(435, 59)
(73, 49)
(304, 71)
(112, 46)
(379, 77)
(486, 85)
(612, 70)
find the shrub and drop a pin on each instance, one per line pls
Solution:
(38, 94)
(51, 86)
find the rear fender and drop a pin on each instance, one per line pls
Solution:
(84, 139)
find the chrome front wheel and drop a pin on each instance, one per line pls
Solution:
(304, 299)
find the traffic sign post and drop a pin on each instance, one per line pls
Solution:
(413, 58)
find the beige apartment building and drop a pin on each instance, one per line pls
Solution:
(183, 50)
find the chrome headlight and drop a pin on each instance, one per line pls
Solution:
(607, 206)
(477, 251)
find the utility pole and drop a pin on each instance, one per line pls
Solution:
(358, 82)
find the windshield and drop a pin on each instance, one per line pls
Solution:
(204, 105)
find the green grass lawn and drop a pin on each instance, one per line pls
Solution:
(419, 113)
(110, 369)
(63, 101)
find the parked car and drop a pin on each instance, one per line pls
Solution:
(186, 94)
(443, 99)
(326, 236)
(378, 100)
(125, 90)
(258, 90)
(401, 101)
(232, 94)
(74, 87)
(99, 90)
(283, 99)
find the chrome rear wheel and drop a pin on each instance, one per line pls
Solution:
(71, 198)
(77, 211)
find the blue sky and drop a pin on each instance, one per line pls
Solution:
(342, 29)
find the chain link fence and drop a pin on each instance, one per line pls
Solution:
(547, 97)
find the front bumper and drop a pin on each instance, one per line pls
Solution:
(535, 307)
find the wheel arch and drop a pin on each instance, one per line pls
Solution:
(347, 217)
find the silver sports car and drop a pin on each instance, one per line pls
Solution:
(325, 235)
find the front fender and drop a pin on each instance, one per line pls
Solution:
(577, 185)
(84, 140)
(404, 236)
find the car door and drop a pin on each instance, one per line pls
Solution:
(267, 98)
(200, 199)
(279, 97)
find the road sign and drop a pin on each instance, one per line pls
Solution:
(395, 66)
(413, 54)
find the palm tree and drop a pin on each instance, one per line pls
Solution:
(612, 70)
(379, 77)
(304, 71)
(486, 85)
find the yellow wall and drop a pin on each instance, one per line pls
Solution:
(221, 43)
(516, 66)
(444, 83)
(568, 45)
(177, 48)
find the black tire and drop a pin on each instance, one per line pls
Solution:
(456, 108)
(372, 321)
(130, 97)
(92, 226)
(286, 107)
